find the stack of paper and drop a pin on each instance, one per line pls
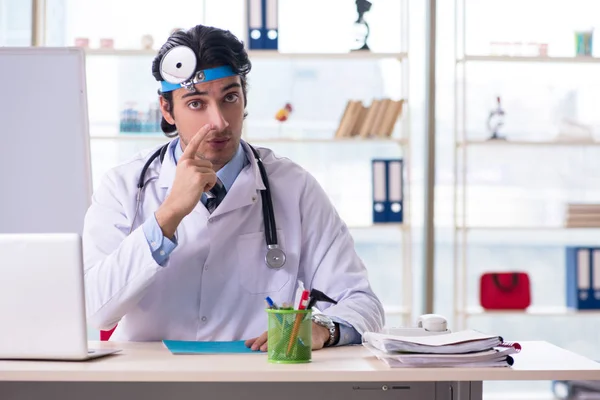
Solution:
(459, 349)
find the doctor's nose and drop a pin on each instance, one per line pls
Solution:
(217, 119)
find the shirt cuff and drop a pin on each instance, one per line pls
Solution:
(160, 245)
(348, 335)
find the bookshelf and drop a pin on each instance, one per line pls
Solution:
(309, 141)
(473, 233)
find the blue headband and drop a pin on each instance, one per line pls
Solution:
(205, 75)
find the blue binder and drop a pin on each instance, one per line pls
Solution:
(379, 177)
(388, 202)
(256, 15)
(263, 25)
(271, 25)
(583, 278)
(395, 206)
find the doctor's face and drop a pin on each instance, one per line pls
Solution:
(219, 103)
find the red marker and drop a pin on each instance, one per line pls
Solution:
(303, 300)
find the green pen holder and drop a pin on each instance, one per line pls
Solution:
(289, 336)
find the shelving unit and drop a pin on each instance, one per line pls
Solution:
(509, 234)
(256, 54)
(161, 138)
(534, 311)
(524, 59)
(106, 135)
(531, 143)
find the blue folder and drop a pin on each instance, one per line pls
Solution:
(582, 265)
(192, 347)
(387, 175)
(256, 17)
(379, 195)
(394, 187)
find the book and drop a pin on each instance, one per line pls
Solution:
(378, 119)
(583, 208)
(360, 120)
(345, 115)
(393, 113)
(369, 122)
(350, 118)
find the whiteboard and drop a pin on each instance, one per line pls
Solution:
(45, 171)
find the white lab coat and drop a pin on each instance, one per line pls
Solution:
(214, 284)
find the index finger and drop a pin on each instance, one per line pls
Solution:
(194, 144)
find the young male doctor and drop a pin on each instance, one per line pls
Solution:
(185, 249)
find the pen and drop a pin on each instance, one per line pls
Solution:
(271, 304)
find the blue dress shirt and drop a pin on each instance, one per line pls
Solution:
(162, 246)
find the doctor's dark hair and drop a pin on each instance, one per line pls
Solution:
(213, 47)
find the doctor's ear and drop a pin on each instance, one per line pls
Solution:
(166, 107)
(167, 122)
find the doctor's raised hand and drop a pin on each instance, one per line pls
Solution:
(194, 176)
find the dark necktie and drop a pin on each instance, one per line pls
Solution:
(218, 194)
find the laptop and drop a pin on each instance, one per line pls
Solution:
(42, 302)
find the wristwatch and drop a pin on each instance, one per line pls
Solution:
(327, 322)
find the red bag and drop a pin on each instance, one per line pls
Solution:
(504, 291)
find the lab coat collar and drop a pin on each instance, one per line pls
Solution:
(254, 164)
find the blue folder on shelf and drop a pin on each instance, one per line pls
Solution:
(193, 347)
(388, 185)
(583, 278)
(271, 25)
(255, 25)
(379, 191)
(263, 24)
(395, 207)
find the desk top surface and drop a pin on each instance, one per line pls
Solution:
(153, 362)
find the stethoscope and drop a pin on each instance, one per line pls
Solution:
(275, 257)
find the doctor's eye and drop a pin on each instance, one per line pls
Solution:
(178, 64)
(195, 105)
(231, 98)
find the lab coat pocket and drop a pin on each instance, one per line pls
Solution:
(254, 274)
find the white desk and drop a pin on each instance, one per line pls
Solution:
(149, 371)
